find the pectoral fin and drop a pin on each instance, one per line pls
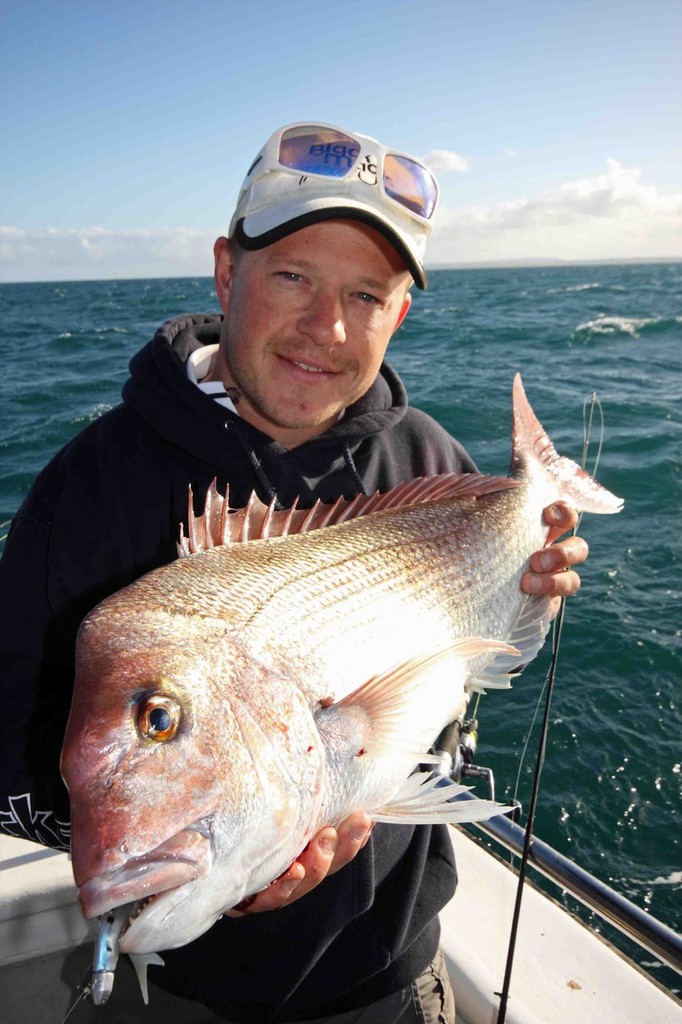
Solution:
(386, 714)
(141, 962)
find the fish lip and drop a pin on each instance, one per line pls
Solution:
(183, 858)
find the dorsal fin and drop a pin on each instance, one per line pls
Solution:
(221, 524)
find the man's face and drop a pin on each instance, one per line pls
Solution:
(307, 323)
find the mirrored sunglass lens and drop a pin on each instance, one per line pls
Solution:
(410, 184)
(317, 150)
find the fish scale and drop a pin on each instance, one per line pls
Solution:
(425, 590)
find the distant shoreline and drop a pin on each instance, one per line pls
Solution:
(549, 262)
(511, 264)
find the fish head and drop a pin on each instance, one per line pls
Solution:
(159, 776)
(195, 772)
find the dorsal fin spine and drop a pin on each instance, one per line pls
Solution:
(220, 524)
(224, 509)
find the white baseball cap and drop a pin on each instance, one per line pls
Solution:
(308, 173)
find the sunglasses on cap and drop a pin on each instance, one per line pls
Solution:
(324, 151)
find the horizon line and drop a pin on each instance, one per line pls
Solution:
(521, 262)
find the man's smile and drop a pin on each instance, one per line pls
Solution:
(307, 367)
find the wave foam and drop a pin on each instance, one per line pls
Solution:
(631, 325)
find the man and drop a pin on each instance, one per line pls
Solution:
(287, 394)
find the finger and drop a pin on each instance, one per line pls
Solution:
(560, 517)
(304, 874)
(274, 896)
(328, 851)
(317, 860)
(354, 833)
(564, 555)
(549, 584)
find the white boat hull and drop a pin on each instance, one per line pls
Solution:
(563, 972)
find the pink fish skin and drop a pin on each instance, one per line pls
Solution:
(291, 668)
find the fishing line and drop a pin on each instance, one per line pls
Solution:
(84, 991)
(542, 745)
(524, 751)
(587, 431)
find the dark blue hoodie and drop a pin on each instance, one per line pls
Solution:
(106, 510)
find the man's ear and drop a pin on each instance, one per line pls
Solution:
(224, 271)
(403, 311)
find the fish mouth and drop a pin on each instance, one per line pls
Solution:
(183, 858)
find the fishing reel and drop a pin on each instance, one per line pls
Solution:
(456, 747)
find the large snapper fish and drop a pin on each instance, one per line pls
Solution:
(290, 668)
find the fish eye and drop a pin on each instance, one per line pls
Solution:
(159, 717)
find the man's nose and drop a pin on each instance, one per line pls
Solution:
(323, 320)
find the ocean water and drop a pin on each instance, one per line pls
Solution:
(612, 778)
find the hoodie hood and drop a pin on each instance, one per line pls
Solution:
(160, 392)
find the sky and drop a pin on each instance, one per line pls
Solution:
(127, 128)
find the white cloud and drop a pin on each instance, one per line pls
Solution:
(611, 215)
(50, 254)
(443, 160)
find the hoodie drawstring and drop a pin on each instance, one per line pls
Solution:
(262, 477)
(259, 472)
(352, 468)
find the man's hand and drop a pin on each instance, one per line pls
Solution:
(326, 852)
(551, 570)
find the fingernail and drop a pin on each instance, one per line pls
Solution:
(532, 584)
(327, 844)
(358, 834)
(546, 561)
(556, 513)
(287, 888)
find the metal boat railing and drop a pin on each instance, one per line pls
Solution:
(627, 917)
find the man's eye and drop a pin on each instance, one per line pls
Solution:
(290, 275)
(370, 299)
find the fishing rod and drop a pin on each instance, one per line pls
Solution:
(456, 745)
(530, 819)
(542, 745)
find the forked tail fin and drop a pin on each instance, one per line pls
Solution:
(530, 443)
